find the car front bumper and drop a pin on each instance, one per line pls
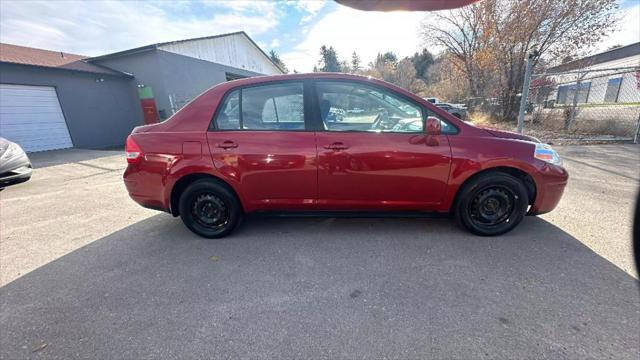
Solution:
(550, 186)
(15, 176)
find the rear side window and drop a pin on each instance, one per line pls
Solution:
(266, 107)
(229, 116)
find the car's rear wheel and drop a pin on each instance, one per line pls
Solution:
(492, 204)
(209, 209)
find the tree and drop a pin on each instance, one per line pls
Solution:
(328, 59)
(446, 81)
(387, 58)
(345, 67)
(400, 73)
(355, 63)
(421, 62)
(490, 40)
(273, 55)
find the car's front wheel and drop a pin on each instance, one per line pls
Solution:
(209, 209)
(492, 204)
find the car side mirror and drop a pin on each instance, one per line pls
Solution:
(434, 126)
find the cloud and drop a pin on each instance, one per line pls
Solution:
(275, 43)
(627, 30)
(99, 27)
(310, 7)
(366, 33)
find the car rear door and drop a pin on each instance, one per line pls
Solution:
(379, 158)
(259, 139)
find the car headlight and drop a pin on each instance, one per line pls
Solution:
(544, 152)
(12, 150)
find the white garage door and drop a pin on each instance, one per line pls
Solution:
(31, 116)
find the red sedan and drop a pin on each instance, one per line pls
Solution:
(332, 145)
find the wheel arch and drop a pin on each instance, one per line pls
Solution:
(527, 180)
(188, 179)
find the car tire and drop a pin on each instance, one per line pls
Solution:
(209, 209)
(491, 204)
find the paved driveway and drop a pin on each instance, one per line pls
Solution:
(86, 273)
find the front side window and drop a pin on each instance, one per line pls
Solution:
(347, 106)
(445, 127)
(265, 107)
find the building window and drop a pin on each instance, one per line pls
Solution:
(232, 76)
(566, 93)
(562, 94)
(613, 90)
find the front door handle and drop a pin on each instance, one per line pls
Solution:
(336, 146)
(228, 144)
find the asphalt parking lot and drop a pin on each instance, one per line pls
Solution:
(86, 273)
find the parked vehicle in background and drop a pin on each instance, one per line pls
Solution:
(15, 166)
(214, 161)
(457, 110)
(336, 114)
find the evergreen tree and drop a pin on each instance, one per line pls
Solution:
(422, 61)
(355, 62)
(273, 55)
(328, 59)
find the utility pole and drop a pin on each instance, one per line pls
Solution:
(525, 88)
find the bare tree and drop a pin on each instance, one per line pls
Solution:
(490, 40)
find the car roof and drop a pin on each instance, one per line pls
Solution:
(226, 86)
(305, 76)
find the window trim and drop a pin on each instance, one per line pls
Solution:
(318, 123)
(213, 126)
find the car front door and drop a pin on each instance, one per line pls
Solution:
(260, 141)
(378, 157)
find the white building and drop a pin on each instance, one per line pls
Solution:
(605, 78)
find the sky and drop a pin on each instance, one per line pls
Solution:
(294, 29)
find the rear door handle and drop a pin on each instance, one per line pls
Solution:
(228, 144)
(336, 146)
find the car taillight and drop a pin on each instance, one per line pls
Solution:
(132, 151)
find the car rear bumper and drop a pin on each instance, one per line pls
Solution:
(143, 189)
(137, 194)
(16, 176)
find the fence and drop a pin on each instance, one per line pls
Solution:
(585, 104)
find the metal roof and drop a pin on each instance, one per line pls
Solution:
(610, 55)
(23, 55)
(155, 46)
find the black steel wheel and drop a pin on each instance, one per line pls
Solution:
(209, 209)
(492, 204)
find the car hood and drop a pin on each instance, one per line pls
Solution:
(509, 134)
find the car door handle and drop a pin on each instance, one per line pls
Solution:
(228, 144)
(336, 146)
